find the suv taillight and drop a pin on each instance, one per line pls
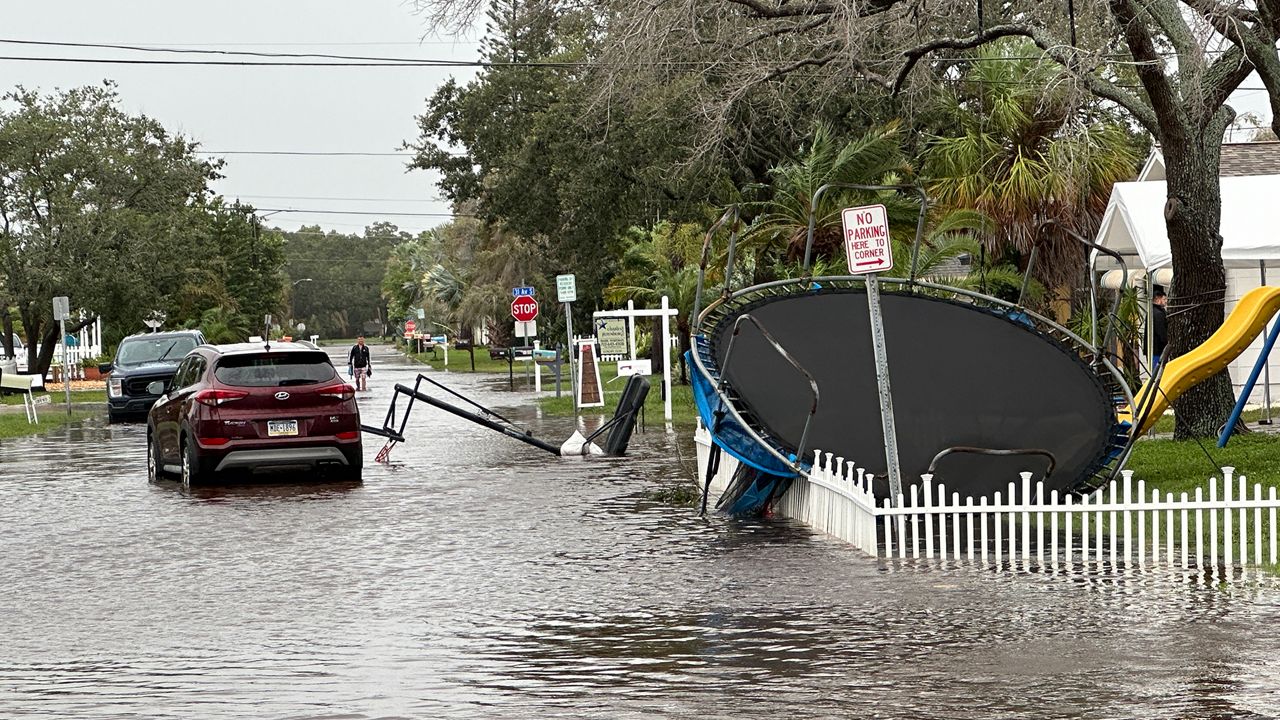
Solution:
(339, 391)
(213, 398)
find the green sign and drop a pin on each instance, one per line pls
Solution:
(612, 335)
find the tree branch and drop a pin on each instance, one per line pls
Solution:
(1060, 53)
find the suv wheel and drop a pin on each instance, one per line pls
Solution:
(192, 473)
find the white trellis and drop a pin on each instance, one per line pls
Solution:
(1226, 523)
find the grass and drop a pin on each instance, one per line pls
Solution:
(77, 396)
(14, 425)
(460, 361)
(683, 411)
(1179, 466)
(1165, 423)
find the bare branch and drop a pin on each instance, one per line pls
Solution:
(1063, 54)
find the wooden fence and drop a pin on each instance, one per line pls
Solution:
(1226, 523)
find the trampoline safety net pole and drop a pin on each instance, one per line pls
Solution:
(882, 382)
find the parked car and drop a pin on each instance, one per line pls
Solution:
(253, 407)
(140, 361)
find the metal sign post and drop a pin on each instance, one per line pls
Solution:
(567, 292)
(61, 311)
(869, 252)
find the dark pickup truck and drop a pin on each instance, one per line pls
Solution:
(141, 360)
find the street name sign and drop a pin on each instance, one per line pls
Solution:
(866, 239)
(524, 308)
(524, 291)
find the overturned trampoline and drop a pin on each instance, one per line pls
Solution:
(981, 388)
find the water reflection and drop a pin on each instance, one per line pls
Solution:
(477, 577)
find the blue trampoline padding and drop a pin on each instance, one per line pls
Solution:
(730, 435)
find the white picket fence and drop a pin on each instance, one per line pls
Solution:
(1219, 525)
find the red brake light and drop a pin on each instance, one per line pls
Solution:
(348, 435)
(214, 397)
(339, 391)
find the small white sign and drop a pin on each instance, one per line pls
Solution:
(61, 308)
(627, 368)
(566, 288)
(866, 239)
(527, 329)
(42, 399)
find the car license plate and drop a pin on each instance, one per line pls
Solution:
(282, 428)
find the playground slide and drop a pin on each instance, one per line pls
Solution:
(1185, 372)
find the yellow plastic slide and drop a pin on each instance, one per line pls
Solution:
(1183, 373)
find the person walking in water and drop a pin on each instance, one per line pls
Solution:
(358, 360)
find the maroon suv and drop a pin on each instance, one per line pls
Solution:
(254, 407)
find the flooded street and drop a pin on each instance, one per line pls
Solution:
(477, 577)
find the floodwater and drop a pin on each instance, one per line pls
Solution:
(477, 577)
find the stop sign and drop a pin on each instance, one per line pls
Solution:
(524, 309)
(410, 326)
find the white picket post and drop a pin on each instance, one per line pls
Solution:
(1213, 523)
(888, 530)
(942, 521)
(983, 504)
(999, 520)
(1243, 554)
(1099, 501)
(928, 516)
(973, 520)
(1053, 526)
(915, 523)
(1084, 529)
(902, 531)
(1185, 529)
(1200, 526)
(1127, 518)
(1069, 536)
(1271, 523)
(1142, 524)
(1114, 523)
(1013, 525)
(1257, 524)
(1228, 531)
(1039, 522)
(1026, 517)
(955, 526)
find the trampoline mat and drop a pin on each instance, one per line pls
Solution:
(960, 376)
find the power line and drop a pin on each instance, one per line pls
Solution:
(362, 212)
(337, 199)
(320, 153)
(193, 51)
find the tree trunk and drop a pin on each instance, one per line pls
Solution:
(656, 356)
(6, 333)
(1196, 303)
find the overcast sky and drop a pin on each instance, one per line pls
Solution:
(303, 109)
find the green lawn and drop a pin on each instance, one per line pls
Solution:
(1165, 423)
(14, 425)
(683, 411)
(1178, 466)
(77, 396)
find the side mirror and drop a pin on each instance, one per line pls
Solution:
(105, 368)
(155, 388)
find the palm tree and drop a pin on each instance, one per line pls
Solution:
(1024, 152)
(782, 222)
(663, 261)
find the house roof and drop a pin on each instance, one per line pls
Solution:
(1237, 160)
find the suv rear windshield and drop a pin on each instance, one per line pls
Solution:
(294, 368)
(142, 350)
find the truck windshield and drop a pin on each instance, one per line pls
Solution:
(143, 350)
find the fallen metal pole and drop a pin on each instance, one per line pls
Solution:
(479, 420)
